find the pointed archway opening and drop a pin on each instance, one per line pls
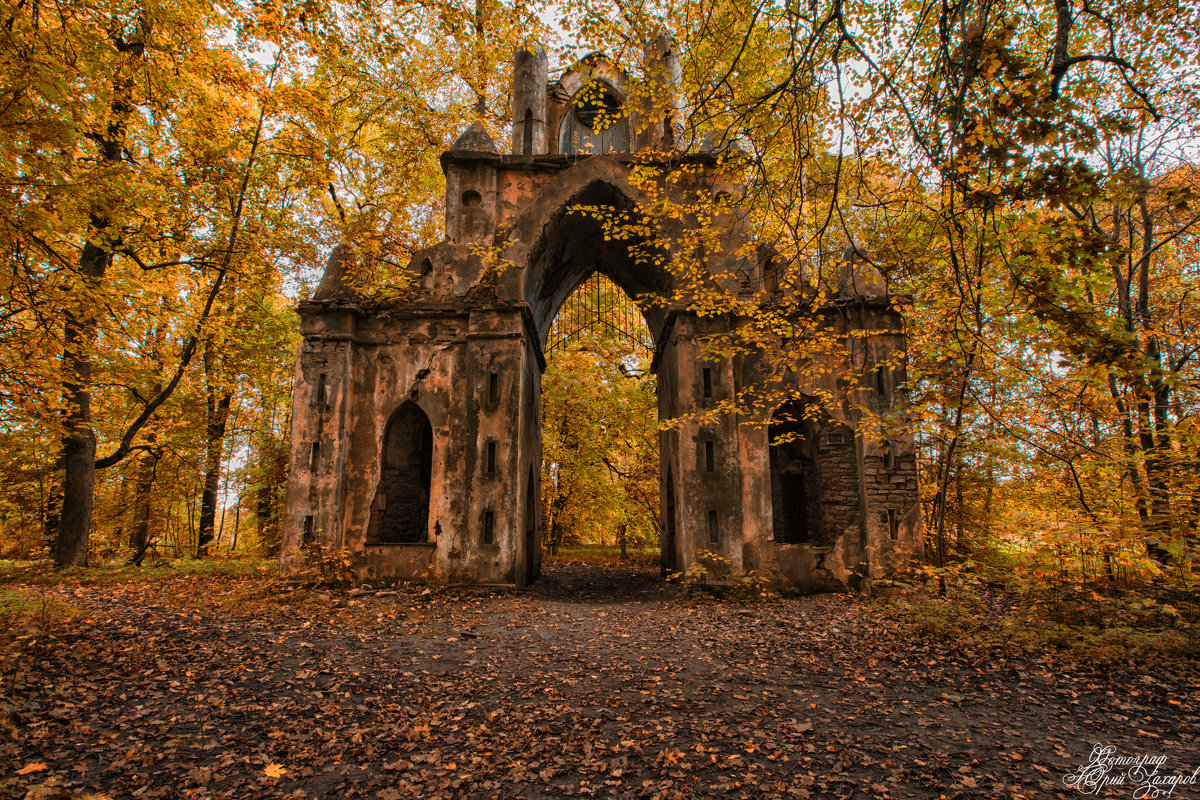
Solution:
(600, 445)
(597, 231)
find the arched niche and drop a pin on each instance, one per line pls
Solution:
(400, 510)
(596, 121)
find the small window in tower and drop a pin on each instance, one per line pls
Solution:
(306, 532)
(314, 459)
(491, 458)
(320, 394)
(710, 460)
(706, 378)
(714, 531)
(489, 527)
(893, 523)
(527, 133)
(493, 388)
(889, 457)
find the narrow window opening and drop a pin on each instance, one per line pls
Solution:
(893, 523)
(321, 391)
(491, 458)
(709, 456)
(527, 133)
(714, 532)
(707, 380)
(314, 459)
(489, 527)
(889, 457)
(881, 381)
(307, 531)
(493, 388)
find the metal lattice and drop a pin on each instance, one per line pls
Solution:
(599, 305)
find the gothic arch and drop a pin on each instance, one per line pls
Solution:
(573, 246)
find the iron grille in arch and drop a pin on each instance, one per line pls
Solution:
(599, 304)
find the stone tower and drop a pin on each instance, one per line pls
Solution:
(416, 442)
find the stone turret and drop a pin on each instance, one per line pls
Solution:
(661, 101)
(470, 166)
(530, 70)
(333, 284)
(859, 276)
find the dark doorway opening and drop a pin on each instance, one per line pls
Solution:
(795, 477)
(400, 510)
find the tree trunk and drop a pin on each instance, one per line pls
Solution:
(139, 534)
(78, 458)
(218, 416)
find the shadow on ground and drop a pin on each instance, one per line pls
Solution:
(601, 582)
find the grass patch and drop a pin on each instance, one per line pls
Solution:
(18, 605)
(1001, 624)
(43, 572)
(596, 554)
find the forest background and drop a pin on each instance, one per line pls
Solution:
(1023, 173)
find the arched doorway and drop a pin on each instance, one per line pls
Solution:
(599, 430)
(583, 286)
(400, 510)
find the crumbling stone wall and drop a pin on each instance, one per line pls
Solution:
(450, 490)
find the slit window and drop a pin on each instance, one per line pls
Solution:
(493, 388)
(321, 391)
(714, 530)
(710, 456)
(527, 133)
(706, 377)
(314, 458)
(489, 527)
(307, 530)
(892, 520)
(490, 459)
(881, 381)
(889, 457)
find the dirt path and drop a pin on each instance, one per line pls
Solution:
(596, 683)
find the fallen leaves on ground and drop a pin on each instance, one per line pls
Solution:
(597, 682)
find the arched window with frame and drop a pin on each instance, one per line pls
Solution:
(596, 122)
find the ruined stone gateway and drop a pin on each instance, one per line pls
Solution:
(416, 443)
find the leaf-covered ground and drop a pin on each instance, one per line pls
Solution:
(599, 682)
